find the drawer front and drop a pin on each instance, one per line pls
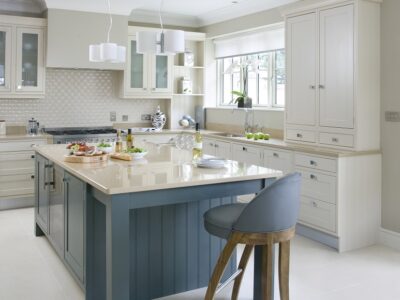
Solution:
(313, 162)
(317, 213)
(14, 185)
(155, 139)
(16, 162)
(25, 145)
(279, 160)
(336, 139)
(301, 135)
(246, 154)
(318, 186)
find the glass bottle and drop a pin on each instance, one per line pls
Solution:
(198, 143)
(129, 139)
(118, 143)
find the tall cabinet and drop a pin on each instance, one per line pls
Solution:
(333, 74)
(22, 54)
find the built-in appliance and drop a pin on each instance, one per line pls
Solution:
(82, 134)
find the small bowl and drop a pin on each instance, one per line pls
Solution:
(107, 150)
(138, 155)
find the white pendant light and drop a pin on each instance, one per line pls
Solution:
(107, 52)
(167, 42)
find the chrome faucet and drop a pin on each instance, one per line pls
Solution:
(247, 126)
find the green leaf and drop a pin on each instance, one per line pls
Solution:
(237, 93)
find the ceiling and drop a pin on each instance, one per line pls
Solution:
(176, 12)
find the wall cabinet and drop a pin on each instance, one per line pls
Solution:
(146, 75)
(22, 57)
(333, 83)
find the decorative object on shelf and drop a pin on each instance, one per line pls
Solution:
(187, 121)
(167, 42)
(107, 52)
(158, 119)
(187, 58)
(186, 85)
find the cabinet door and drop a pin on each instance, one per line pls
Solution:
(246, 154)
(161, 74)
(30, 60)
(337, 67)
(223, 150)
(75, 196)
(56, 202)
(137, 70)
(209, 147)
(42, 193)
(5, 59)
(301, 62)
(278, 160)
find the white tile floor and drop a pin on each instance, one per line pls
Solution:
(30, 269)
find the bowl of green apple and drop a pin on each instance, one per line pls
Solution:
(258, 136)
(105, 147)
(136, 153)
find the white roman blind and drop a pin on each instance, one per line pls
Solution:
(264, 40)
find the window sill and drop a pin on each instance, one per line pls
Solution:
(257, 108)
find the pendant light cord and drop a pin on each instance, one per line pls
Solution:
(111, 21)
(159, 14)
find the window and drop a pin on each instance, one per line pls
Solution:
(265, 78)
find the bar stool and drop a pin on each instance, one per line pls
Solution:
(268, 219)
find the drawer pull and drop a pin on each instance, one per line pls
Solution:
(276, 155)
(32, 176)
(244, 149)
(335, 140)
(211, 144)
(299, 135)
(33, 156)
(313, 163)
(312, 87)
(313, 177)
(216, 146)
(48, 166)
(49, 183)
(314, 204)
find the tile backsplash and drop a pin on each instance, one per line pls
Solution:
(78, 98)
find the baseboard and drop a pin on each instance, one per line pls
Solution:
(389, 238)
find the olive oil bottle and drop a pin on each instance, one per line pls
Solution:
(129, 139)
(198, 143)
(118, 143)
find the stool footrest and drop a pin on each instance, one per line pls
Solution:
(221, 286)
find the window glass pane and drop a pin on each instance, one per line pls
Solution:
(29, 59)
(227, 92)
(136, 67)
(252, 87)
(2, 58)
(161, 72)
(280, 78)
(264, 88)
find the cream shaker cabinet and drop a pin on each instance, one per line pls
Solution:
(333, 84)
(22, 56)
(301, 76)
(146, 75)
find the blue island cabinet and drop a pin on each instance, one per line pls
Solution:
(60, 212)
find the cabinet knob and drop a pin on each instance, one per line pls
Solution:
(321, 86)
(216, 146)
(335, 140)
(312, 87)
(299, 135)
(32, 176)
(313, 163)
(276, 155)
(32, 156)
(313, 177)
(314, 204)
(244, 149)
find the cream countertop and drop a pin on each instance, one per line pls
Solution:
(164, 167)
(9, 137)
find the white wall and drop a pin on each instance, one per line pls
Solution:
(390, 80)
(77, 98)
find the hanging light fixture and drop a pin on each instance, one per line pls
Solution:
(107, 52)
(167, 42)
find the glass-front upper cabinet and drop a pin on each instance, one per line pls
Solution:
(137, 69)
(5, 59)
(30, 60)
(161, 74)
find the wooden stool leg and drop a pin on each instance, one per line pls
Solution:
(242, 265)
(284, 257)
(220, 268)
(267, 280)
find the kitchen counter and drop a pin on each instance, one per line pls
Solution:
(134, 230)
(116, 176)
(10, 137)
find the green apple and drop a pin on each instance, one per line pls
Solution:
(249, 135)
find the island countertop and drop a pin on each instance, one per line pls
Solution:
(164, 167)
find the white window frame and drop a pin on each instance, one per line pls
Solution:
(272, 99)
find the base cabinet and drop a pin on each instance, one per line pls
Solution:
(60, 213)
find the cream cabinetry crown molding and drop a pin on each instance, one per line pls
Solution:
(189, 35)
(26, 21)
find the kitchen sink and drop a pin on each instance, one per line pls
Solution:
(227, 134)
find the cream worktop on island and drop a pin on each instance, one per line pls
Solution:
(164, 167)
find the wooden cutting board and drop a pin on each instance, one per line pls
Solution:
(85, 159)
(121, 156)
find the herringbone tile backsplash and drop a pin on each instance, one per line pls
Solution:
(77, 98)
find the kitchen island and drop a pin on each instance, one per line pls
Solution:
(134, 230)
